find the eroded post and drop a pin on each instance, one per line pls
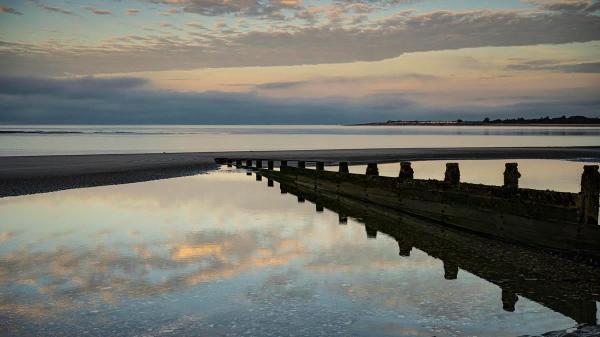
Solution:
(283, 163)
(343, 167)
(249, 163)
(342, 219)
(229, 163)
(258, 177)
(259, 163)
(588, 197)
(452, 175)
(371, 232)
(509, 300)
(406, 171)
(450, 270)
(301, 164)
(270, 182)
(270, 165)
(511, 176)
(319, 208)
(238, 163)
(320, 166)
(372, 169)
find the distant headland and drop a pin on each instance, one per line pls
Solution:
(543, 121)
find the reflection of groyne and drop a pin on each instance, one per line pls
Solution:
(570, 288)
(567, 222)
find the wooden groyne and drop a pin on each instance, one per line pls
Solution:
(566, 222)
(565, 286)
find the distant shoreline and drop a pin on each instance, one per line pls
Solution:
(474, 124)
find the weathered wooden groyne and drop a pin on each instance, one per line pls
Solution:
(566, 222)
(562, 285)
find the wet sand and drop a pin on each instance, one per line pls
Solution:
(35, 174)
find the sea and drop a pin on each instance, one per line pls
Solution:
(24, 140)
(228, 253)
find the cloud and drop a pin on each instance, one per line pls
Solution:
(130, 101)
(369, 41)
(553, 65)
(252, 8)
(132, 11)
(568, 5)
(98, 11)
(48, 8)
(9, 10)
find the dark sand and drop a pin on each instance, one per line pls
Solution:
(35, 174)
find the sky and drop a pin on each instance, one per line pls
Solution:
(296, 61)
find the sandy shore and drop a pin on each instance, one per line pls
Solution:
(35, 174)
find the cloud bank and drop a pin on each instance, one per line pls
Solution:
(385, 38)
(130, 101)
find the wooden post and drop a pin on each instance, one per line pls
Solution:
(283, 163)
(371, 232)
(320, 166)
(319, 208)
(300, 199)
(372, 169)
(342, 219)
(511, 176)
(450, 270)
(270, 164)
(404, 247)
(248, 163)
(406, 171)
(229, 163)
(220, 160)
(588, 197)
(509, 299)
(270, 182)
(301, 164)
(452, 175)
(238, 163)
(259, 163)
(343, 167)
(258, 177)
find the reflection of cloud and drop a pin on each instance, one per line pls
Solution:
(6, 236)
(70, 276)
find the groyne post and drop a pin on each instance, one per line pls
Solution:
(450, 270)
(509, 300)
(342, 219)
(343, 167)
(229, 163)
(238, 163)
(319, 208)
(452, 175)
(511, 176)
(371, 232)
(270, 165)
(259, 163)
(258, 177)
(406, 171)
(588, 197)
(283, 163)
(301, 164)
(248, 163)
(372, 169)
(270, 182)
(320, 166)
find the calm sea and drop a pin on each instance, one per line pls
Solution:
(86, 139)
(166, 258)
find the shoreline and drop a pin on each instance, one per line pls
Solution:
(20, 175)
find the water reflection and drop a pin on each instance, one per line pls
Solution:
(223, 254)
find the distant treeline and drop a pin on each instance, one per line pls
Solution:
(563, 120)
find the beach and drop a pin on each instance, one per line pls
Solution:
(35, 174)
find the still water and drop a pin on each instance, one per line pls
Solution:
(220, 254)
(91, 139)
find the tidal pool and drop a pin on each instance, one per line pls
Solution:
(221, 254)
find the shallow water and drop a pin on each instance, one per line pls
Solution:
(223, 254)
(90, 139)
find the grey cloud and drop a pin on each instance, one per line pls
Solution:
(49, 8)
(254, 8)
(127, 101)
(9, 10)
(568, 5)
(98, 11)
(371, 41)
(551, 65)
